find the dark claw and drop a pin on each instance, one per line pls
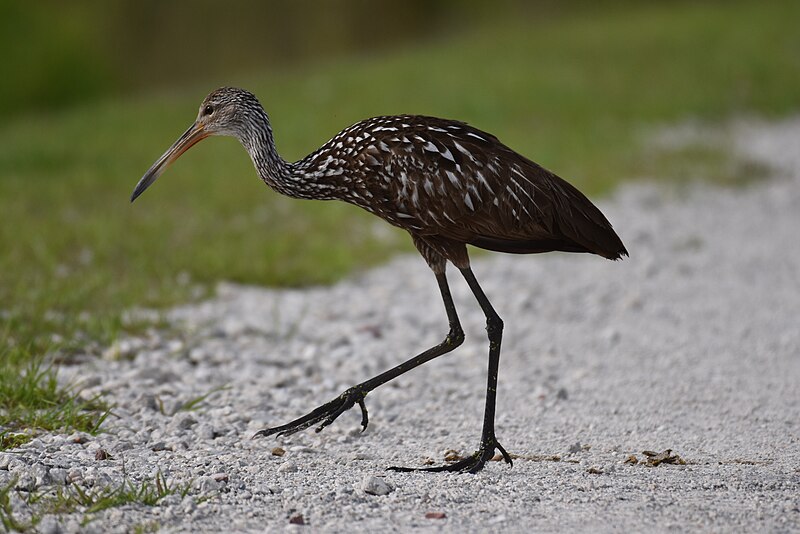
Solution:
(364, 415)
(327, 414)
(506, 456)
(472, 464)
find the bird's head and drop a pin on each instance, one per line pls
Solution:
(226, 111)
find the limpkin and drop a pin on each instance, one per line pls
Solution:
(448, 184)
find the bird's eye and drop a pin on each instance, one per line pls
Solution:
(208, 110)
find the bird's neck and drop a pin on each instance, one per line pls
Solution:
(291, 179)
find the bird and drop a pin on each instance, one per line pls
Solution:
(448, 185)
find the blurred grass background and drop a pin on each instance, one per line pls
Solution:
(95, 92)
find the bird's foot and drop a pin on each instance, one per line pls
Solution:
(470, 464)
(325, 414)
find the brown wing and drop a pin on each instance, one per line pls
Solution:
(445, 178)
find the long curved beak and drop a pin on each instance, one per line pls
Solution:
(190, 137)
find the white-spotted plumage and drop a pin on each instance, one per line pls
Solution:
(431, 165)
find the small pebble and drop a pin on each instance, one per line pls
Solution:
(207, 485)
(189, 504)
(26, 482)
(79, 437)
(373, 485)
(49, 525)
(205, 431)
(74, 476)
(58, 476)
(184, 421)
(452, 456)
(287, 467)
(149, 402)
(41, 474)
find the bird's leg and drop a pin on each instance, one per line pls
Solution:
(486, 450)
(328, 412)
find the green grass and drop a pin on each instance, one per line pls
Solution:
(88, 502)
(31, 398)
(576, 92)
(194, 404)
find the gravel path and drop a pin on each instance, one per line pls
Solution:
(692, 345)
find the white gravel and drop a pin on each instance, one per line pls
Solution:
(692, 344)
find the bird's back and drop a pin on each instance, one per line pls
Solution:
(443, 178)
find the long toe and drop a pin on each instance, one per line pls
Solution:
(323, 415)
(472, 464)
